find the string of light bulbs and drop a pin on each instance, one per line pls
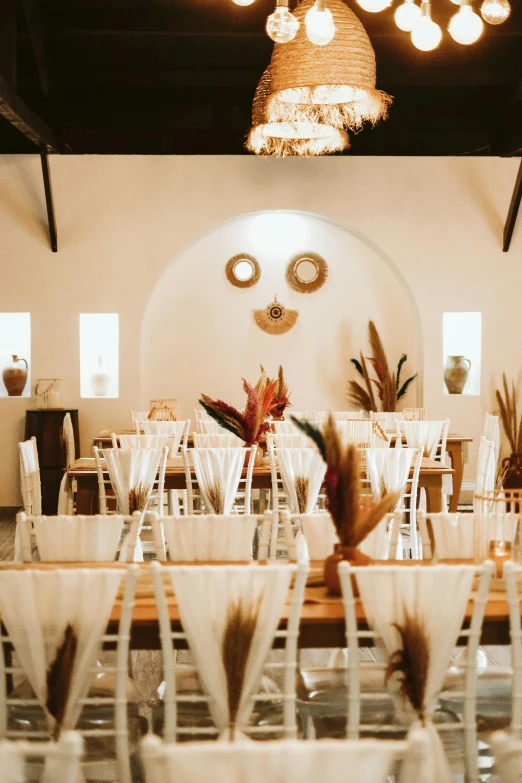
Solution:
(465, 27)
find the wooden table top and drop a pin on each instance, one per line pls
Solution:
(86, 466)
(322, 615)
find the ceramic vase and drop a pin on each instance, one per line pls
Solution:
(456, 372)
(14, 376)
(100, 379)
(341, 553)
(512, 468)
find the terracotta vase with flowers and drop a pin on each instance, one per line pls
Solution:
(354, 519)
(512, 425)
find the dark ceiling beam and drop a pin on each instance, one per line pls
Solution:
(15, 111)
(8, 40)
(35, 27)
(49, 203)
(513, 211)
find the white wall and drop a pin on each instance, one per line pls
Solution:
(127, 223)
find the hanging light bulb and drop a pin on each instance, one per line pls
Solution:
(282, 26)
(374, 6)
(407, 15)
(495, 11)
(243, 2)
(320, 27)
(426, 34)
(466, 26)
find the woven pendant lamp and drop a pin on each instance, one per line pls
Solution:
(334, 84)
(289, 138)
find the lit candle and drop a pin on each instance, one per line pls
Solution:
(499, 552)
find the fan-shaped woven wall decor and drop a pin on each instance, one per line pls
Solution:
(287, 138)
(275, 319)
(334, 84)
(243, 270)
(306, 272)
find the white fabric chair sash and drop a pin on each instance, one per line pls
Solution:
(285, 428)
(387, 420)
(377, 544)
(78, 538)
(423, 435)
(204, 441)
(203, 595)
(218, 468)
(171, 442)
(210, 427)
(131, 469)
(301, 464)
(438, 598)
(319, 534)
(30, 477)
(175, 431)
(209, 537)
(61, 759)
(388, 469)
(468, 536)
(288, 761)
(36, 608)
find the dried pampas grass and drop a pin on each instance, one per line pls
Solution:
(412, 662)
(511, 423)
(239, 632)
(302, 485)
(59, 677)
(138, 498)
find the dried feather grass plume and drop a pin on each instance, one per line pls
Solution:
(216, 498)
(354, 517)
(511, 422)
(412, 662)
(59, 677)
(333, 84)
(138, 498)
(304, 138)
(239, 632)
(302, 484)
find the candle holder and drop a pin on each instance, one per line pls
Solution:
(499, 552)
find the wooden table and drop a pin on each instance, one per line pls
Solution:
(322, 616)
(454, 447)
(84, 471)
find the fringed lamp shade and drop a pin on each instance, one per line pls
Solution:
(334, 84)
(301, 137)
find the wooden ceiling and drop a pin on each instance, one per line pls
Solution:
(178, 77)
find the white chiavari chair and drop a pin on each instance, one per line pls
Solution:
(30, 477)
(209, 441)
(138, 417)
(286, 427)
(508, 757)
(307, 415)
(205, 597)
(40, 610)
(387, 420)
(201, 415)
(60, 760)
(205, 537)
(177, 431)
(484, 474)
(398, 470)
(215, 482)
(284, 761)
(322, 416)
(67, 490)
(60, 539)
(438, 597)
(363, 433)
(414, 414)
(209, 427)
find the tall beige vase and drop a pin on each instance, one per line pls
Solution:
(456, 372)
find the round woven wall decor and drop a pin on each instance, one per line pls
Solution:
(334, 84)
(238, 272)
(275, 319)
(306, 272)
(285, 138)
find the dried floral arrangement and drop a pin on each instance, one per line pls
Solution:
(388, 387)
(239, 632)
(250, 425)
(411, 662)
(353, 518)
(282, 394)
(59, 677)
(511, 422)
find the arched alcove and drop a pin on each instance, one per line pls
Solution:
(199, 334)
